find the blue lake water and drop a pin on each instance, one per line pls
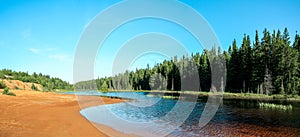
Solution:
(150, 115)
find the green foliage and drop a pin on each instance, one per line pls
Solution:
(6, 92)
(2, 85)
(49, 83)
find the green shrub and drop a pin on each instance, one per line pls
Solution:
(2, 85)
(6, 92)
(11, 94)
(33, 87)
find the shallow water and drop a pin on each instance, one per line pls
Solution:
(154, 116)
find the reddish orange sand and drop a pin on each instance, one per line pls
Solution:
(41, 114)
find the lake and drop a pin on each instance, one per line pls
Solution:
(149, 114)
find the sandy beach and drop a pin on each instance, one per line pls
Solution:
(45, 114)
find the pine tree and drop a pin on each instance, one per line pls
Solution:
(246, 62)
(234, 68)
(257, 63)
(277, 57)
(104, 86)
(204, 72)
(296, 44)
(296, 47)
(266, 49)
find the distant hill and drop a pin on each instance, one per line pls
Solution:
(23, 80)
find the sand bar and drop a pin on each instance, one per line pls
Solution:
(46, 114)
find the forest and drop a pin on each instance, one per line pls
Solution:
(266, 65)
(48, 83)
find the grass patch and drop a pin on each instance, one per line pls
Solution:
(65, 90)
(170, 97)
(279, 96)
(275, 106)
(246, 96)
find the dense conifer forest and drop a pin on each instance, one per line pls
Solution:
(267, 64)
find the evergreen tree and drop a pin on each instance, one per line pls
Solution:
(234, 68)
(266, 49)
(104, 86)
(246, 63)
(204, 72)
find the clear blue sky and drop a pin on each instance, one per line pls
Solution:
(42, 35)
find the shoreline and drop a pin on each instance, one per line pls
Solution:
(32, 113)
(226, 95)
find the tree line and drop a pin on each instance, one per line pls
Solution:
(48, 83)
(267, 65)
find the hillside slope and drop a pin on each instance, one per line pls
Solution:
(48, 83)
(17, 84)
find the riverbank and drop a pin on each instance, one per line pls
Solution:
(226, 95)
(32, 113)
